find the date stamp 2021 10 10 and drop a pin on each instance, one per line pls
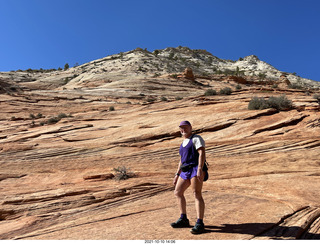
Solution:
(160, 242)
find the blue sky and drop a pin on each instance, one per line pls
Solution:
(49, 33)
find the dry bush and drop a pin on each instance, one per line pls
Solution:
(122, 173)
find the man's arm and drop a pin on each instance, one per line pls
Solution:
(179, 170)
(177, 174)
(202, 159)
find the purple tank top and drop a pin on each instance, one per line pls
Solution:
(189, 155)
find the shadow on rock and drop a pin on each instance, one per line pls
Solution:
(265, 231)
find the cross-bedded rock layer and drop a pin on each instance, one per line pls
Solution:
(57, 179)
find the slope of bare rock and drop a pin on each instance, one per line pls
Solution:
(142, 64)
(57, 180)
(295, 226)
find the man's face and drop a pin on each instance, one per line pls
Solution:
(185, 130)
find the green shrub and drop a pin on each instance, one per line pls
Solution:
(111, 108)
(66, 66)
(317, 96)
(238, 87)
(225, 91)
(210, 92)
(66, 80)
(156, 52)
(262, 76)
(175, 76)
(279, 103)
(295, 86)
(258, 103)
(56, 119)
(53, 120)
(62, 115)
(164, 99)
(171, 56)
(33, 124)
(151, 100)
(39, 116)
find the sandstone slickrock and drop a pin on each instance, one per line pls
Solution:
(57, 181)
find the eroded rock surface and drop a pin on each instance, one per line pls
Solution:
(57, 179)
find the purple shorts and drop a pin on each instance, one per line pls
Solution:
(190, 173)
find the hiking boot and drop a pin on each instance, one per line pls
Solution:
(197, 229)
(180, 223)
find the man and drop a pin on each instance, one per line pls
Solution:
(190, 172)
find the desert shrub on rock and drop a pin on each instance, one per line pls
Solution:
(62, 115)
(53, 120)
(317, 96)
(225, 91)
(296, 86)
(56, 119)
(258, 103)
(122, 173)
(151, 99)
(210, 92)
(38, 116)
(279, 103)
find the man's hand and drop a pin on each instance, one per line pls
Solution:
(199, 174)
